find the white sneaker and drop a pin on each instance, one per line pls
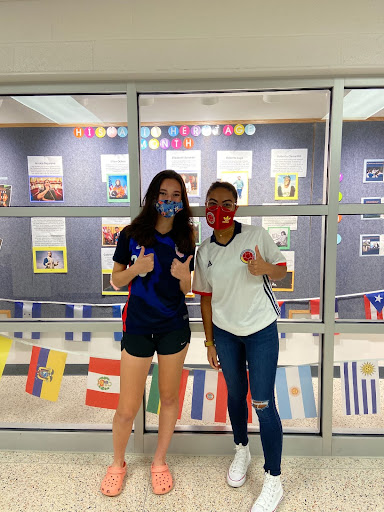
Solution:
(270, 496)
(237, 471)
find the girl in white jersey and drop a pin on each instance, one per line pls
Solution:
(239, 312)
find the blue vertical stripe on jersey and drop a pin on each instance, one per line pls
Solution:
(269, 292)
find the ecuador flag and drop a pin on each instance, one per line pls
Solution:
(46, 370)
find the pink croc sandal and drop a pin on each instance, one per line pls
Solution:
(161, 479)
(112, 483)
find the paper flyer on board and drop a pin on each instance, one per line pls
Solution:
(45, 178)
(49, 247)
(289, 161)
(114, 164)
(107, 285)
(235, 162)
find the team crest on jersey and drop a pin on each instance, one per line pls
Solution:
(247, 255)
(210, 218)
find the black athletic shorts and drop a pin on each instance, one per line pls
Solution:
(164, 343)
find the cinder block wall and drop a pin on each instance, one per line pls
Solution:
(121, 39)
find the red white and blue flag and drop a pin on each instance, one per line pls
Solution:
(209, 396)
(374, 304)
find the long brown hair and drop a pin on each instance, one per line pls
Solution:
(142, 228)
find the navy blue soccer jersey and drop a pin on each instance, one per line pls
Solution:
(155, 302)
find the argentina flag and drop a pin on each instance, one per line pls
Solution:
(294, 392)
(360, 387)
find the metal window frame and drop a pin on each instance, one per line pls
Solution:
(325, 443)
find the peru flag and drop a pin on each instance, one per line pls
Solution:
(103, 387)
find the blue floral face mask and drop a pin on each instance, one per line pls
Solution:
(168, 208)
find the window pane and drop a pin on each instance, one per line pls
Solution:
(362, 159)
(360, 263)
(26, 410)
(295, 350)
(60, 150)
(252, 140)
(358, 384)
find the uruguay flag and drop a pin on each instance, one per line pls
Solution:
(295, 396)
(27, 310)
(116, 313)
(373, 304)
(78, 311)
(360, 387)
(209, 396)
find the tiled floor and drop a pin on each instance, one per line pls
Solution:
(63, 482)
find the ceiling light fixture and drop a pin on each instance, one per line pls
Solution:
(60, 109)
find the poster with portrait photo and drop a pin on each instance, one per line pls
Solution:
(240, 181)
(192, 183)
(286, 186)
(5, 195)
(111, 228)
(372, 200)
(46, 189)
(109, 288)
(281, 236)
(286, 284)
(372, 245)
(49, 260)
(117, 188)
(373, 170)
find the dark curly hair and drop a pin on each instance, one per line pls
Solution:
(222, 184)
(142, 228)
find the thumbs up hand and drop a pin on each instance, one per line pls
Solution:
(259, 266)
(144, 262)
(181, 270)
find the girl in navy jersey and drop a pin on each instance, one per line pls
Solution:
(154, 258)
(239, 313)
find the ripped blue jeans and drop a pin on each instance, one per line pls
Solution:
(260, 350)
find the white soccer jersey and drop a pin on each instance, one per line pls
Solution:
(241, 303)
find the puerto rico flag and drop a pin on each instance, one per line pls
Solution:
(78, 311)
(103, 386)
(360, 387)
(45, 373)
(209, 396)
(373, 305)
(27, 310)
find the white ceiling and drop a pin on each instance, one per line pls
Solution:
(188, 108)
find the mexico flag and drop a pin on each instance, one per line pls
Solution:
(103, 387)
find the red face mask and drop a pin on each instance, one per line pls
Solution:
(219, 218)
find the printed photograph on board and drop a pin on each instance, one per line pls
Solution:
(109, 288)
(49, 260)
(46, 188)
(240, 181)
(117, 188)
(5, 195)
(281, 236)
(286, 186)
(372, 200)
(111, 229)
(192, 183)
(286, 284)
(369, 245)
(197, 232)
(373, 171)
